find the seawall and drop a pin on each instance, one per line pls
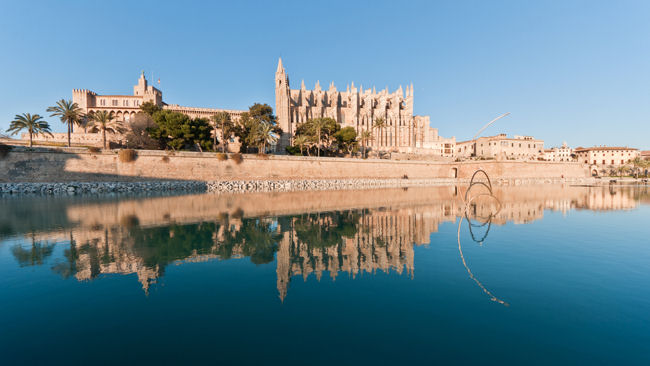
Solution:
(80, 165)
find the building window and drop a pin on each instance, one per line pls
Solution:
(114, 102)
(125, 103)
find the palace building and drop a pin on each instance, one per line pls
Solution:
(125, 107)
(359, 108)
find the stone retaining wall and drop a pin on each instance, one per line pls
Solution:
(78, 164)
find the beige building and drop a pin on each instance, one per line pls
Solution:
(501, 146)
(602, 156)
(559, 154)
(645, 154)
(358, 108)
(125, 108)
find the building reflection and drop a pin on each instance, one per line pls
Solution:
(306, 233)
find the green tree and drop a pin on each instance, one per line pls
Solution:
(251, 124)
(263, 113)
(365, 137)
(178, 131)
(301, 141)
(347, 138)
(69, 113)
(104, 121)
(265, 135)
(320, 129)
(149, 108)
(33, 123)
(198, 133)
(380, 124)
(223, 121)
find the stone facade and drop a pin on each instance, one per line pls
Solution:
(502, 147)
(358, 108)
(124, 108)
(562, 153)
(605, 156)
(645, 154)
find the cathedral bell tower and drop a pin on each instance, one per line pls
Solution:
(282, 100)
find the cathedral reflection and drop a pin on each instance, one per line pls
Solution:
(351, 233)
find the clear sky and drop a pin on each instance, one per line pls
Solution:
(574, 71)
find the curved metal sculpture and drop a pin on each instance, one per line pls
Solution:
(467, 202)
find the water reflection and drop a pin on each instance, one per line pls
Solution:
(479, 188)
(305, 233)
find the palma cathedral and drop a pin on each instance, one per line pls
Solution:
(359, 108)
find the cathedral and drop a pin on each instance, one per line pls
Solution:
(359, 108)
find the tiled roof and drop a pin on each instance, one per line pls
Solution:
(605, 148)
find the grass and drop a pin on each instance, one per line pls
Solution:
(165, 159)
(222, 157)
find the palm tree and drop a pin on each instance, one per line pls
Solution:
(380, 124)
(105, 121)
(69, 113)
(33, 123)
(301, 141)
(365, 137)
(223, 121)
(319, 124)
(266, 135)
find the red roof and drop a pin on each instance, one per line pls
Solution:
(605, 148)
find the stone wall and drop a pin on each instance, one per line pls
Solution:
(77, 138)
(78, 164)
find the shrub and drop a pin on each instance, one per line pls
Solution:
(94, 149)
(237, 158)
(4, 150)
(222, 157)
(127, 155)
(165, 159)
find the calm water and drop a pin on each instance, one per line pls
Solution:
(547, 275)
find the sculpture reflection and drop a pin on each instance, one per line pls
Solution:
(476, 190)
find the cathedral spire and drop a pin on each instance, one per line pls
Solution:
(280, 67)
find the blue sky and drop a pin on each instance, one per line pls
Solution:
(575, 71)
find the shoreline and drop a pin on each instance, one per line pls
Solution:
(267, 185)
